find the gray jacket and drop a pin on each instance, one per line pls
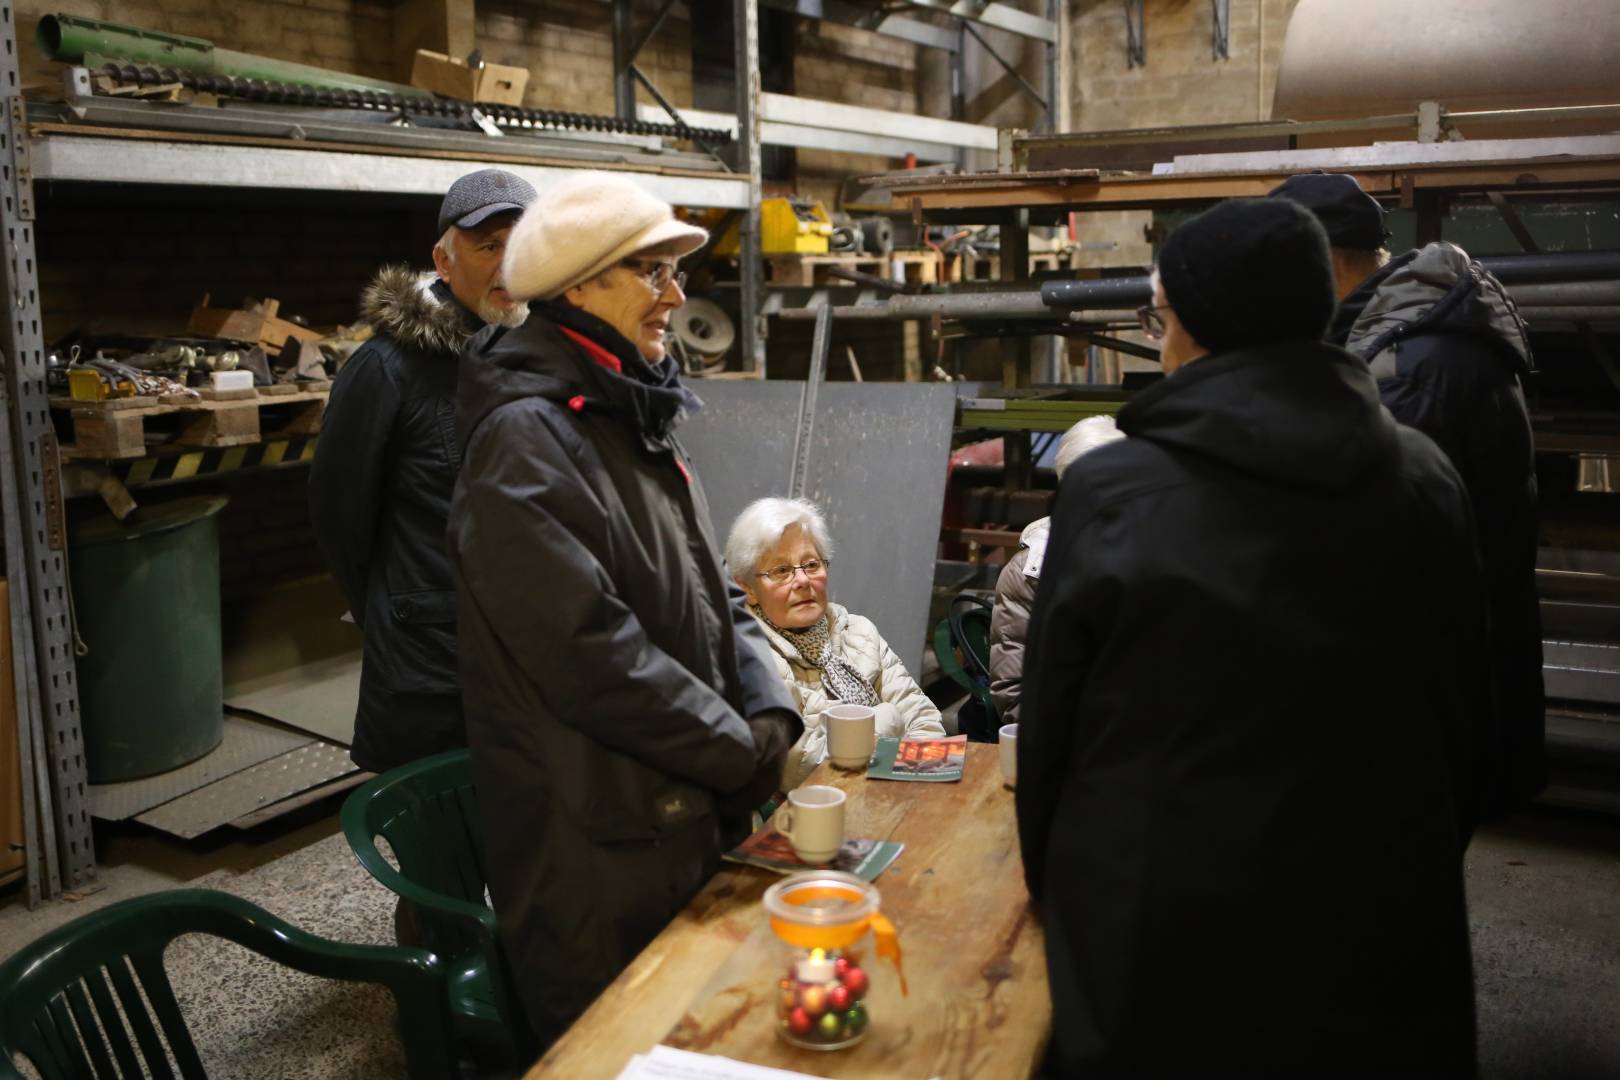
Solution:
(1009, 620)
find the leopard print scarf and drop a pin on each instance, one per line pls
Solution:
(838, 676)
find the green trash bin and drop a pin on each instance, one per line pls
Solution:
(146, 590)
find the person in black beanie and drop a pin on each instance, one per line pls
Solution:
(1256, 657)
(1450, 353)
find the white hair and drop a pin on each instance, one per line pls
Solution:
(447, 245)
(760, 527)
(1084, 437)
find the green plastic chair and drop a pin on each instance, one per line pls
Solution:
(428, 813)
(94, 970)
(962, 647)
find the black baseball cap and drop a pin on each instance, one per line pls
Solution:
(481, 195)
(1351, 217)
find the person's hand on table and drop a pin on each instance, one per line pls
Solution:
(774, 731)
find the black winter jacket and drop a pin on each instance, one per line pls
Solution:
(613, 673)
(1254, 665)
(1449, 351)
(379, 494)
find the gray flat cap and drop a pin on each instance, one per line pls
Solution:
(481, 195)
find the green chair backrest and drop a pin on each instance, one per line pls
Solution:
(92, 999)
(428, 812)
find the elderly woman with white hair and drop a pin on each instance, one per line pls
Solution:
(779, 551)
(1015, 588)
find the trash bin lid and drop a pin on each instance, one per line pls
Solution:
(147, 520)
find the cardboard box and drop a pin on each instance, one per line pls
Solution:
(498, 84)
(13, 860)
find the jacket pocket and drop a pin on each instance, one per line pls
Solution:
(641, 816)
(416, 654)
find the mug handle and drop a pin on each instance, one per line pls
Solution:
(784, 820)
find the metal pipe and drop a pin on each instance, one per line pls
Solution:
(1585, 313)
(1109, 299)
(1566, 292)
(1564, 266)
(75, 39)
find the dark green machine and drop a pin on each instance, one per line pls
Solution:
(94, 42)
(146, 593)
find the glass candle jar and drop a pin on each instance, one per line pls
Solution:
(825, 922)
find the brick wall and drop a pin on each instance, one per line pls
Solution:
(1181, 83)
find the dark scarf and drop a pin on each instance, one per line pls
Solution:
(838, 676)
(654, 395)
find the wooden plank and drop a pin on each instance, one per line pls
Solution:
(228, 424)
(110, 430)
(978, 1002)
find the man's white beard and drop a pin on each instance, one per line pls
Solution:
(509, 317)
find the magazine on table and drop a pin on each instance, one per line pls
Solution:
(767, 848)
(931, 760)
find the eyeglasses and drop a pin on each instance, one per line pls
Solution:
(1151, 321)
(657, 274)
(781, 575)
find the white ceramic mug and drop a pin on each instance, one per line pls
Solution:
(1009, 754)
(813, 821)
(851, 735)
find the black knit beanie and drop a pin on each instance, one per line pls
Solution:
(1249, 272)
(1351, 217)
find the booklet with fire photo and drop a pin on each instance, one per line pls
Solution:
(935, 760)
(866, 859)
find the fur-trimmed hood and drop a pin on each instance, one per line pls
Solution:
(417, 310)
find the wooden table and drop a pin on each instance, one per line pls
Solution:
(973, 953)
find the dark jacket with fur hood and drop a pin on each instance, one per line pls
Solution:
(379, 497)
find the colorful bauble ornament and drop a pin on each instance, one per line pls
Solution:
(829, 1026)
(856, 1018)
(799, 1022)
(813, 999)
(856, 982)
(840, 966)
(839, 998)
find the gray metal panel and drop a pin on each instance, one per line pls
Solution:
(877, 468)
(251, 789)
(878, 464)
(247, 742)
(318, 697)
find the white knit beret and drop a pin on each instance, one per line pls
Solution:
(581, 226)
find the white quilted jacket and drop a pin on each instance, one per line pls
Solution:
(903, 708)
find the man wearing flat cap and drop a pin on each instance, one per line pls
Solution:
(623, 717)
(379, 488)
(1449, 351)
(1254, 662)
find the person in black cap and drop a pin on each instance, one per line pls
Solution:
(1450, 353)
(1256, 651)
(380, 484)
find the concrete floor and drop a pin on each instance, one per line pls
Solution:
(1544, 892)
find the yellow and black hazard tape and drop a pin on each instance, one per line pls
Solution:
(170, 468)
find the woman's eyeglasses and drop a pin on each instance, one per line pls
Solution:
(781, 575)
(1151, 321)
(657, 274)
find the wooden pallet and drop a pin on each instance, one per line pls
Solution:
(809, 270)
(122, 428)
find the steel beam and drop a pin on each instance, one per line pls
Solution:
(1000, 16)
(826, 125)
(918, 33)
(745, 40)
(51, 680)
(624, 86)
(159, 161)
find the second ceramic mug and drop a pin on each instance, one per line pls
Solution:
(1009, 754)
(813, 822)
(851, 735)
